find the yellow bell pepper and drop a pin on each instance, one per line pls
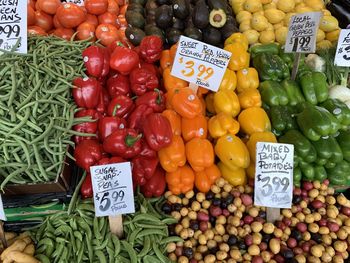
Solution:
(229, 81)
(239, 58)
(254, 120)
(209, 102)
(258, 137)
(221, 124)
(226, 101)
(237, 38)
(235, 176)
(249, 98)
(247, 78)
(250, 171)
(232, 151)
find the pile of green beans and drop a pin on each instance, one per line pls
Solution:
(36, 109)
(82, 237)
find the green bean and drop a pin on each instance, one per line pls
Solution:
(11, 176)
(38, 161)
(21, 123)
(130, 250)
(45, 133)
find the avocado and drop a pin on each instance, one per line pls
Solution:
(136, 8)
(228, 29)
(135, 35)
(164, 16)
(151, 20)
(200, 15)
(163, 2)
(178, 23)
(135, 19)
(141, 2)
(217, 18)
(194, 33)
(173, 36)
(151, 6)
(155, 31)
(211, 36)
(181, 9)
(217, 4)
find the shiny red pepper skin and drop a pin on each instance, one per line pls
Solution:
(118, 85)
(137, 117)
(103, 102)
(124, 143)
(88, 153)
(86, 127)
(107, 125)
(157, 131)
(86, 92)
(114, 159)
(142, 80)
(93, 58)
(143, 169)
(151, 48)
(120, 106)
(154, 99)
(106, 59)
(146, 151)
(86, 190)
(155, 186)
(124, 60)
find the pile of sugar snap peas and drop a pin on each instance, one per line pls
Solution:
(36, 109)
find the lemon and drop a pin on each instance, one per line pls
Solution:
(261, 12)
(252, 36)
(281, 35)
(244, 26)
(274, 16)
(278, 25)
(259, 22)
(287, 18)
(316, 5)
(267, 36)
(326, 12)
(329, 23)
(333, 35)
(264, 2)
(298, 2)
(237, 5)
(270, 6)
(285, 5)
(270, 27)
(323, 44)
(252, 6)
(303, 9)
(320, 35)
(243, 15)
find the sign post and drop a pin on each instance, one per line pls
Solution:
(274, 177)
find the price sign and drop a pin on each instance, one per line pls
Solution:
(2, 211)
(274, 175)
(342, 55)
(199, 63)
(302, 33)
(13, 25)
(113, 189)
(77, 2)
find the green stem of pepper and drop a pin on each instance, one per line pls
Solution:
(131, 140)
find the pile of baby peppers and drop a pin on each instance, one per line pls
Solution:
(122, 94)
(302, 114)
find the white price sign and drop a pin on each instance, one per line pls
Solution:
(199, 63)
(274, 175)
(113, 189)
(77, 2)
(302, 33)
(13, 25)
(342, 55)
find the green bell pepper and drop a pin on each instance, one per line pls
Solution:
(293, 91)
(316, 122)
(338, 175)
(270, 67)
(304, 151)
(272, 48)
(320, 173)
(314, 86)
(272, 93)
(281, 118)
(329, 151)
(339, 110)
(297, 176)
(307, 170)
(344, 143)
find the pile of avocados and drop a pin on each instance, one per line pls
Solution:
(210, 21)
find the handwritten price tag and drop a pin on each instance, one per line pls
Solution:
(302, 33)
(113, 189)
(274, 175)
(199, 63)
(342, 55)
(77, 2)
(13, 25)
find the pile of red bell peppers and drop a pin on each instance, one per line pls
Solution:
(122, 94)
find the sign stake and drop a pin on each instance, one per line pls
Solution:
(296, 65)
(194, 87)
(116, 225)
(272, 214)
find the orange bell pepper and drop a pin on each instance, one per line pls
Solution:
(204, 105)
(165, 60)
(249, 98)
(174, 119)
(181, 181)
(253, 120)
(196, 127)
(206, 178)
(258, 137)
(240, 57)
(247, 78)
(185, 102)
(209, 102)
(172, 51)
(171, 82)
(199, 154)
(201, 91)
(173, 156)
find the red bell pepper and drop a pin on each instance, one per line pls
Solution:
(146, 151)
(151, 48)
(120, 106)
(118, 85)
(103, 101)
(86, 190)
(86, 92)
(154, 99)
(88, 153)
(125, 143)
(86, 127)
(124, 60)
(106, 59)
(93, 58)
(151, 67)
(137, 117)
(143, 80)
(107, 125)
(155, 186)
(143, 169)
(157, 131)
(114, 159)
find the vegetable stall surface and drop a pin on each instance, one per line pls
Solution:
(36, 107)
